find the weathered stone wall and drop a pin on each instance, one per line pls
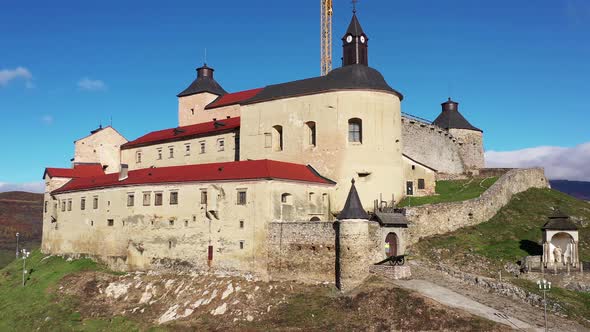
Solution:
(470, 148)
(432, 219)
(101, 147)
(431, 145)
(302, 251)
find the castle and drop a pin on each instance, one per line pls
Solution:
(242, 170)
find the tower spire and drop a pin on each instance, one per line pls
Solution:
(355, 43)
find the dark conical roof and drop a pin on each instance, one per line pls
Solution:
(353, 209)
(203, 83)
(559, 221)
(450, 118)
(354, 28)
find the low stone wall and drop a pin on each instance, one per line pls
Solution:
(433, 219)
(392, 272)
(304, 251)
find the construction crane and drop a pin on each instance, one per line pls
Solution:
(326, 36)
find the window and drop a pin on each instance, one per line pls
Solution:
(421, 184)
(83, 203)
(311, 196)
(130, 199)
(315, 219)
(171, 152)
(111, 222)
(174, 198)
(169, 244)
(70, 204)
(286, 198)
(171, 222)
(95, 202)
(355, 130)
(220, 144)
(202, 145)
(159, 153)
(63, 206)
(413, 167)
(242, 244)
(241, 197)
(277, 138)
(204, 196)
(186, 223)
(91, 222)
(147, 198)
(45, 206)
(192, 111)
(194, 218)
(267, 140)
(187, 149)
(138, 157)
(241, 224)
(158, 199)
(311, 133)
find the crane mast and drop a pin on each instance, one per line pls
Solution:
(326, 36)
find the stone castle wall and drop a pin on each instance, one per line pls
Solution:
(433, 219)
(431, 145)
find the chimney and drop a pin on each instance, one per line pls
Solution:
(124, 172)
(450, 105)
(205, 72)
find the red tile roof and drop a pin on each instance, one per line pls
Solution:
(228, 171)
(233, 98)
(79, 171)
(181, 133)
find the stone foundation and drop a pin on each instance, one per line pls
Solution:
(392, 272)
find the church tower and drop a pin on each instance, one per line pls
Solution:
(192, 100)
(355, 44)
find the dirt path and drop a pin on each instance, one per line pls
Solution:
(455, 300)
(513, 307)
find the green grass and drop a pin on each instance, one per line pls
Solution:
(452, 191)
(35, 307)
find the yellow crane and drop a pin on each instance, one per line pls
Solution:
(326, 36)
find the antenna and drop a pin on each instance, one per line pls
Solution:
(111, 120)
(205, 58)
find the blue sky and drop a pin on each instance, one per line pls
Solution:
(519, 69)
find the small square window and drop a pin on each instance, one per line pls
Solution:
(242, 197)
(202, 147)
(111, 222)
(147, 198)
(159, 153)
(170, 152)
(63, 206)
(158, 199)
(171, 222)
(187, 149)
(70, 204)
(138, 157)
(242, 244)
(186, 223)
(95, 202)
(194, 218)
(130, 199)
(241, 224)
(174, 198)
(413, 167)
(83, 203)
(203, 196)
(421, 184)
(220, 144)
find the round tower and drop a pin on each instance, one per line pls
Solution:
(192, 100)
(469, 137)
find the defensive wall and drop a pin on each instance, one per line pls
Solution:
(431, 145)
(433, 219)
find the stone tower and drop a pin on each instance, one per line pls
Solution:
(469, 137)
(192, 100)
(353, 258)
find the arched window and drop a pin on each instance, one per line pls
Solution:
(277, 138)
(355, 130)
(315, 219)
(311, 133)
(286, 198)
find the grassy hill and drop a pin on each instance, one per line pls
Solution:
(20, 212)
(452, 191)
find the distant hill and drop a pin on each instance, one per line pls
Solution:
(578, 189)
(20, 212)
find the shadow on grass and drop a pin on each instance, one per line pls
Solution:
(532, 248)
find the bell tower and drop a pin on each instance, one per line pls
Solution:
(355, 44)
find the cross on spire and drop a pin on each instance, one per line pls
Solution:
(354, 5)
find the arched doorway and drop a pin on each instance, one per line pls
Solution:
(391, 244)
(565, 243)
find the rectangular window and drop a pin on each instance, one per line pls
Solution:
(171, 152)
(159, 153)
(70, 204)
(83, 203)
(220, 144)
(241, 244)
(311, 196)
(421, 184)
(267, 140)
(130, 199)
(241, 197)
(171, 222)
(110, 222)
(203, 196)
(45, 206)
(241, 224)
(174, 198)
(202, 146)
(158, 199)
(187, 149)
(63, 206)
(95, 202)
(147, 198)
(355, 131)
(138, 157)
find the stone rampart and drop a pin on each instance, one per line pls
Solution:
(433, 219)
(431, 145)
(303, 251)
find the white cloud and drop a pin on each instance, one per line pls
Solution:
(559, 162)
(34, 187)
(47, 119)
(7, 75)
(87, 84)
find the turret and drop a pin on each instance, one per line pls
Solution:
(192, 100)
(355, 44)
